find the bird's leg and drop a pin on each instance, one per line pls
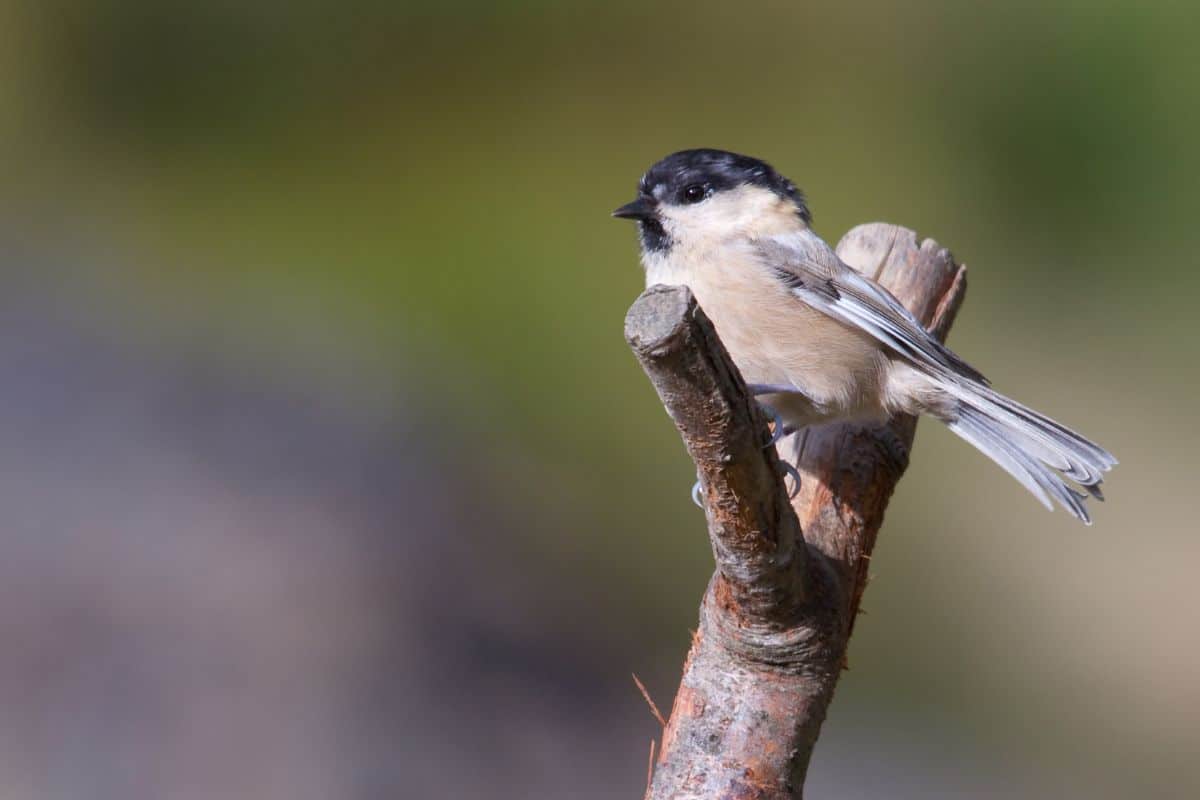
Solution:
(770, 388)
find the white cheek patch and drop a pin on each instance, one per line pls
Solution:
(743, 208)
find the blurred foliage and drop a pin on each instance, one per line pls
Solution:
(420, 191)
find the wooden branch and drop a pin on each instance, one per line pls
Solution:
(776, 619)
(751, 523)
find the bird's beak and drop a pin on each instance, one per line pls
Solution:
(642, 208)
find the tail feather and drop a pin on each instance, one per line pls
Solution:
(968, 427)
(1040, 453)
(1056, 430)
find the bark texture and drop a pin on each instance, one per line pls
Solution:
(776, 619)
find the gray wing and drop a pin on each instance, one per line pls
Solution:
(815, 275)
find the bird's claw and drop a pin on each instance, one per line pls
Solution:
(790, 470)
(778, 428)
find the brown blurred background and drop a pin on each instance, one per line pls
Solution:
(326, 472)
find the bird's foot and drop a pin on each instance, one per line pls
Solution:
(778, 429)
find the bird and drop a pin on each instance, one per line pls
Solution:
(817, 341)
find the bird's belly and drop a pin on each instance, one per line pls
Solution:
(776, 339)
(836, 373)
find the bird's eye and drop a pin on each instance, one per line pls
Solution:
(693, 193)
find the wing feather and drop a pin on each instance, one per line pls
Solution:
(815, 275)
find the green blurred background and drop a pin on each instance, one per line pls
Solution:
(328, 473)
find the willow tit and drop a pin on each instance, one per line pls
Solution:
(817, 340)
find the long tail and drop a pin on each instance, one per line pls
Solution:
(1047, 458)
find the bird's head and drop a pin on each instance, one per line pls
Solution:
(699, 197)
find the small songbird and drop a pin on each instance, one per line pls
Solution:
(818, 341)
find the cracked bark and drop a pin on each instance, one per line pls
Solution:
(776, 619)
